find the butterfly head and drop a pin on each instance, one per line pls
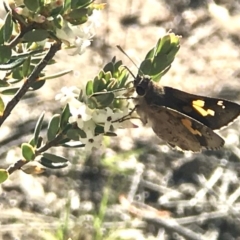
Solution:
(142, 85)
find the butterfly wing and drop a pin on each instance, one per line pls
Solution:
(212, 112)
(181, 130)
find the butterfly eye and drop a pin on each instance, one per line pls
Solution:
(140, 91)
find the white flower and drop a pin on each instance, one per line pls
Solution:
(81, 45)
(95, 18)
(67, 94)
(89, 126)
(109, 118)
(78, 36)
(91, 140)
(80, 115)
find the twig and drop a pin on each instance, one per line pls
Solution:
(20, 163)
(50, 144)
(173, 226)
(135, 182)
(16, 166)
(202, 217)
(160, 189)
(29, 81)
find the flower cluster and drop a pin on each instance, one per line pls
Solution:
(73, 31)
(79, 36)
(88, 119)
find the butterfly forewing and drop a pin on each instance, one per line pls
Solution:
(212, 112)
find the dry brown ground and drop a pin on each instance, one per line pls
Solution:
(199, 191)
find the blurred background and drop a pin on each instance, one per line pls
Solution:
(105, 195)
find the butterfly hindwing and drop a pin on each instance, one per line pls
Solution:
(181, 130)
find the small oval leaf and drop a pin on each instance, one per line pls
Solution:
(53, 127)
(36, 35)
(32, 5)
(3, 175)
(9, 91)
(37, 85)
(53, 161)
(49, 164)
(54, 158)
(38, 128)
(2, 106)
(89, 88)
(102, 100)
(6, 53)
(8, 27)
(28, 152)
(65, 116)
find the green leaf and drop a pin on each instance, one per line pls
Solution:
(37, 85)
(11, 64)
(95, 85)
(6, 53)
(74, 134)
(118, 64)
(4, 83)
(32, 142)
(108, 76)
(3, 175)
(57, 75)
(53, 161)
(65, 116)
(32, 5)
(146, 67)
(8, 27)
(9, 91)
(28, 151)
(38, 127)
(78, 13)
(89, 88)
(102, 100)
(1, 35)
(38, 144)
(123, 77)
(36, 35)
(67, 5)
(102, 84)
(56, 11)
(150, 54)
(54, 158)
(113, 84)
(53, 127)
(26, 67)
(164, 45)
(2, 106)
(109, 67)
(49, 164)
(159, 64)
(80, 3)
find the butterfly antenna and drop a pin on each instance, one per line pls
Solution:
(129, 71)
(130, 60)
(127, 56)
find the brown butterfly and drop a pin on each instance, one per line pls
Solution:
(183, 120)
